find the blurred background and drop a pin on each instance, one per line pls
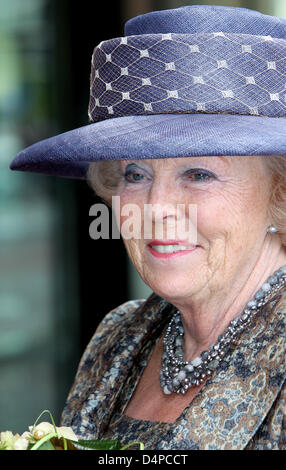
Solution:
(56, 283)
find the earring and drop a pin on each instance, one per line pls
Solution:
(272, 229)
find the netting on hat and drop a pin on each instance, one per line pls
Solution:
(188, 73)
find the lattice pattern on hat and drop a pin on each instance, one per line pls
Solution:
(188, 73)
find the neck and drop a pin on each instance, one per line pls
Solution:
(206, 314)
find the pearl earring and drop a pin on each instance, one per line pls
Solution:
(272, 229)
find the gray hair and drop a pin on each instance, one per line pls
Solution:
(104, 177)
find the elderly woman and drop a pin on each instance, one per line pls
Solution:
(191, 105)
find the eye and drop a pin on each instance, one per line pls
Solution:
(133, 177)
(198, 174)
(133, 174)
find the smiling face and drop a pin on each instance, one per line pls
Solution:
(231, 195)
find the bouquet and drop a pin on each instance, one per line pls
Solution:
(47, 436)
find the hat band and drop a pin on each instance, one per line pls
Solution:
(188, 73)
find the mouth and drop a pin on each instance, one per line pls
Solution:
(167, 249)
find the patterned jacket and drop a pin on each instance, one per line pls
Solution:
(242, 405)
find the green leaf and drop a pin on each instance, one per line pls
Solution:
(99, 445)
(46, 446)
(45, 439)
(140, 444)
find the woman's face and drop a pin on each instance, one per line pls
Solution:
(231, 196)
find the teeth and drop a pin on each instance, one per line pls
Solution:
(170, 248)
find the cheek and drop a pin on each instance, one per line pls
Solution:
(131, 248)
(222, 214)
(215, 213)
(135, 254)
(236, 215)
(130, 221)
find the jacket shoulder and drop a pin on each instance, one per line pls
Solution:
(120, 314)
(113, 326)
(118, 317)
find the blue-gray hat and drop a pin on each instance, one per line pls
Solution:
(197, 80)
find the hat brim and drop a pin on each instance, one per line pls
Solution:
(153, 136)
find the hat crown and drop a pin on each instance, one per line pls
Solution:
(207, 19)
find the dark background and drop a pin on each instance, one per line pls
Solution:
(102, 263)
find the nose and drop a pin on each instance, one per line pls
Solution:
(166, 216)
(162, 201)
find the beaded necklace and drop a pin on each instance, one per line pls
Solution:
(177, 375)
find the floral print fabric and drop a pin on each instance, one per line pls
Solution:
(242, 405)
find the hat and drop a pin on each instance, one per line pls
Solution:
(197, 80)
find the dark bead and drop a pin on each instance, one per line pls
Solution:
(213, 364)
(260, 294)
(273, 280)
(204, 355)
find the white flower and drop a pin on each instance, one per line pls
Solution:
(41, 430)
(8, 439)
(45, 428)
(67, 433)
(21, 443)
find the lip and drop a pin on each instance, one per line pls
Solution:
(169, 242)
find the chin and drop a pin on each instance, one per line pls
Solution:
(175, 290)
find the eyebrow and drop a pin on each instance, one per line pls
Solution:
(138, 163)
(221, 161)
(146, 163)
